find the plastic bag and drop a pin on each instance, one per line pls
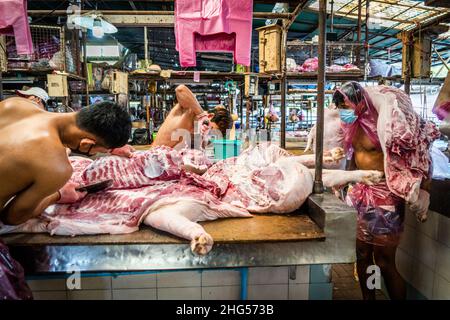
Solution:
(12, 278)
(441, 165)
(380, 213)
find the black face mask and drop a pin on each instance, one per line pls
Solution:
(77, 150)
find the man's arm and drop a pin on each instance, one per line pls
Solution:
(35, 199)
(187, 100)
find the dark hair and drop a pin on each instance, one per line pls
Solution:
(222, 118)
(352, 90)
(107, 121)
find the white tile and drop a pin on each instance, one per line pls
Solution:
(301, 275)
(268, 275)
(220, 278)
(444, 230)
(50, 295)
(138, 281)
(134, 294)
(221, 293)
(299, 291)
(430, 226)
(404, 264)
(441, 290)
(426, 251)
(89, 294)
(99, 283)
(193, 293)
(443, 261)
(268, 292)
(47, 285)
(422, 279)
(179, 279)
(408, 241)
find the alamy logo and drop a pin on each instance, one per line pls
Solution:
(374, 280)
(73, 282)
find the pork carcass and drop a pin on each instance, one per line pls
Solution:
(332, 139)
(153, 188)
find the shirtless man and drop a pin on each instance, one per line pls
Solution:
(380, 211)
(178, 127)
(34, 175)
(35, 94)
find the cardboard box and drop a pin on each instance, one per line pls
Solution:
(57, 85)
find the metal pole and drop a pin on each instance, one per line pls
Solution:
(366, 40)
(409, 58)
(86, 73)
(318, 184)
(283, 84)
(145, 45)
(332, 19)
(358, 35)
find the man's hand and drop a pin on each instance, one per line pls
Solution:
(420, 207)
(125, 151)
(69, 194)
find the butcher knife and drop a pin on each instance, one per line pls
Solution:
(95, 187)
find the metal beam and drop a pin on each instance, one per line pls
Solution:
(404, 5)
(256, 15)
(298, 9)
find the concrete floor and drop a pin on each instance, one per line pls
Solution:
(345, 287)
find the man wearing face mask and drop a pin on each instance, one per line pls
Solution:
(382, 132)
(34, 167)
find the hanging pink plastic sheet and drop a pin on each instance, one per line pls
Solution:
(442, 111)
(12, 279)
(367, 116)
(213, 25)
(14, 21)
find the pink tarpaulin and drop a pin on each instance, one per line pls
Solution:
(213, 25)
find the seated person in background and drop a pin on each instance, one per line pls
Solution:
(178, 128)
(37, 95)
(34, 167)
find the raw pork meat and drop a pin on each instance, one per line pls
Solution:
(310, 65)
(151, 188)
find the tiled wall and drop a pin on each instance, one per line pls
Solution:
(423, 257)
(295, 283)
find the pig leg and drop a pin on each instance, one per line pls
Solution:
(311, 135)
(336, 178)
(330, 157)
(178, 219)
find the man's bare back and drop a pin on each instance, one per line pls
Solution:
(34, 167)
(177, 119)
(179, 124)
(28, 172)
